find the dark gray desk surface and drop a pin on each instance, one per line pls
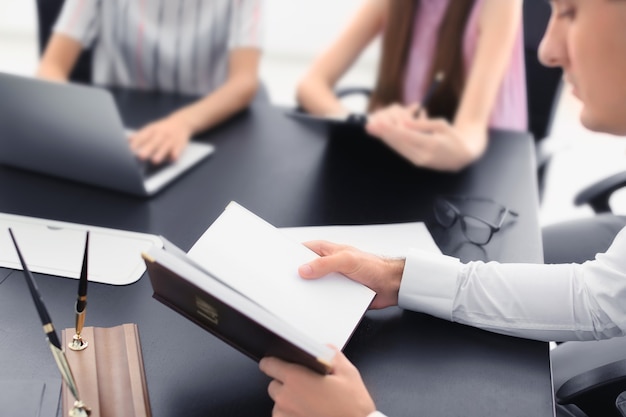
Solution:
(291, 174)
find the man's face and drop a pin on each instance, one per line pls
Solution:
(587, 38)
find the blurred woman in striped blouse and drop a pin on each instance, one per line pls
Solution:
(206, 48)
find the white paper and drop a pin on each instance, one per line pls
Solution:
(56, 248)
(391, 240)
(261, 262)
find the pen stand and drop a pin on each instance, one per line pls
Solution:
(109, 373)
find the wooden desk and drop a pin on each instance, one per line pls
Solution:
(292, 175)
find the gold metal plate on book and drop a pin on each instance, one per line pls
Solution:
(207, 311)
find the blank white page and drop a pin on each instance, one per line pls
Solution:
(261, 262)
(391, 240)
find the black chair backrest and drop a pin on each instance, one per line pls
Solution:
(47, 13)
(542, 84)
(596, 392)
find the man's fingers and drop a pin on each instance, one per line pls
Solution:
(344, 262)
(273, 389)
(274, 367)
(269, 367)
(334, 257)
(323, 247)
(341, 364)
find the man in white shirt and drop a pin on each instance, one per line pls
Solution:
(587, 38)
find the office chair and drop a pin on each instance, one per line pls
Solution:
(597, 195)
(543, 84)
(590, 377)
(47, 13)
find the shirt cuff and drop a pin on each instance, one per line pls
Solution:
(376, 414)
(429, 283)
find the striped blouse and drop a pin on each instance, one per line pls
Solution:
(166, 45)
(509, 111)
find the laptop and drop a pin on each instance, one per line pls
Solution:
(75, 132)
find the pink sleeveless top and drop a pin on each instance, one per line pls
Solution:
(509, 110)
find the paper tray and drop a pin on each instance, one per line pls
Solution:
(56, 248)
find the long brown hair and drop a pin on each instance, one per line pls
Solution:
(397, 39)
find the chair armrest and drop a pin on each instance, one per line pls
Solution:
(597, 195)
(596, 390)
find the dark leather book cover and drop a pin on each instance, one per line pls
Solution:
(220, 314)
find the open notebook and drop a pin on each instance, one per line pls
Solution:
(240, 282)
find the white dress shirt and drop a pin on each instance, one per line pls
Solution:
(544, 302)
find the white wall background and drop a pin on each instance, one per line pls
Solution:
(299, 30)
(16, 16)
(295, 32)
(304, 27)
(294, 27)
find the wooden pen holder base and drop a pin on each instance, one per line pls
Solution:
(109, 373)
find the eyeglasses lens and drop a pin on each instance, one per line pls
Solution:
(444, 213)
(476, 231)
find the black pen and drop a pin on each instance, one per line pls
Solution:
(78, 343)
(439, 77)
(79, 409)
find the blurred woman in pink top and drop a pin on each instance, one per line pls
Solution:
(477, 44)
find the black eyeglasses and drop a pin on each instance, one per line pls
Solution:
(475, 228)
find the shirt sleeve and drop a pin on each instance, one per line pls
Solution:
(544, 302)
(79, 20)
(376, 414)
(247, 24)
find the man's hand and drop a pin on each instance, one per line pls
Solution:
(299, 392)
(383, 275)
